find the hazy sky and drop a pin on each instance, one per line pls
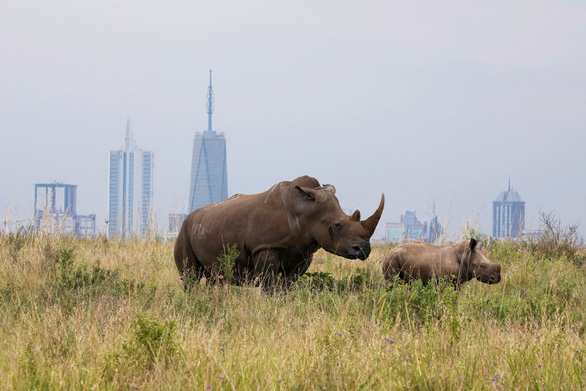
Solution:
(430, 102)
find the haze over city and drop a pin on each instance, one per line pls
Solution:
(430, 103)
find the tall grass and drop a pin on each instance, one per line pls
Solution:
(104, 314)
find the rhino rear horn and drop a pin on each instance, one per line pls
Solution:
(370, 223)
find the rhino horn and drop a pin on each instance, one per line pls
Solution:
(370, 223)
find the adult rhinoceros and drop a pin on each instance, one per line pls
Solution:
(276, 232)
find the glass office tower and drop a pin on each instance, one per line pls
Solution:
(209, 173)
(123, 186)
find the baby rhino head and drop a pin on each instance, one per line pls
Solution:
(479, 266)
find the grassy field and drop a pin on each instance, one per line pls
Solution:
(97, 314)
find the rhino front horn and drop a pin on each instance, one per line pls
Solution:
(370, 223)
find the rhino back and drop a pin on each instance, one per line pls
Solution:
(245, 220)
(424, 260)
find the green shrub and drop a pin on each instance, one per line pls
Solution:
(316, 282)
(421, 304)
(152, 340)
(228, 261)
(88, 279)
(359, 279)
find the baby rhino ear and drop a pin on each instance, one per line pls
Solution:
(473, 244)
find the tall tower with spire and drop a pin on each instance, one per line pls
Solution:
(209, 172)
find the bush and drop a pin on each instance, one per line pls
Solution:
(89, 278)
(228, 262)
(557, 240)
(424, 305)
(360, 279)
(153, 339)
(316, 282)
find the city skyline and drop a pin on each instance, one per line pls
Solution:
(431, 103)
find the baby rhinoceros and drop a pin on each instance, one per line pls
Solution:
(423, 261)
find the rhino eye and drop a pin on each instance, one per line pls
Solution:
(337, 227)
(483, 265)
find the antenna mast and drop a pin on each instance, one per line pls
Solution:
(210, 103)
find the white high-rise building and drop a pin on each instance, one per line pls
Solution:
(123, 187)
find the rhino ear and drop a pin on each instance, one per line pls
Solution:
(355, 216)
(473, 243)
(307, 193)
(330, 188)
(479, 245)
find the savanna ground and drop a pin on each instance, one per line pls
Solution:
(99, 314)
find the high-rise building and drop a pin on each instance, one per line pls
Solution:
(508, 214)
(146, 192)
(209, 173)
(56, 211)
(54, 202)
(123, 186)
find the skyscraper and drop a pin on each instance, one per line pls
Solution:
(209, 174)
(123, 186)
(508, 214)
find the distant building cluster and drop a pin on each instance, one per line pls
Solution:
(55, 211)
(411, 229)
(508, 222)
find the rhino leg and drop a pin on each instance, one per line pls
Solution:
(269, 269)
(189, 267)
(266, 267)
